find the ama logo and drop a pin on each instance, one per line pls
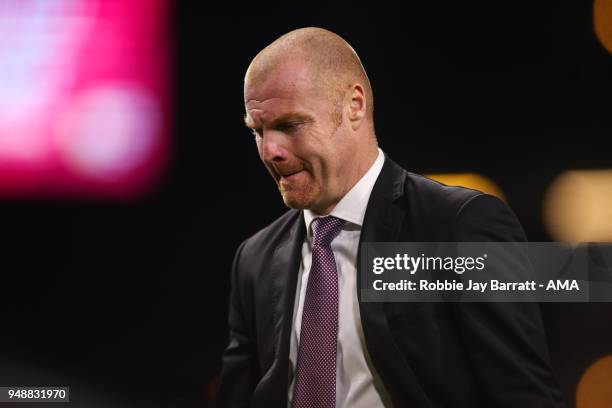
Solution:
(562, 284)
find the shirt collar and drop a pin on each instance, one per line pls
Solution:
(352, 206)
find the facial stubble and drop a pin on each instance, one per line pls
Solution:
(301, 196)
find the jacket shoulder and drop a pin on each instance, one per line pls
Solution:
(433, 207)
(426, 191)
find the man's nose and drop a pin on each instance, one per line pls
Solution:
(274, 148)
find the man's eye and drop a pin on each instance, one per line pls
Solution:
(256, 132)
(288, 126)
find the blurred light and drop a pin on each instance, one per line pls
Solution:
(578, 206)
(602, 22)
(108, 131)
(84, 96)
(594, 390)
(470, 180)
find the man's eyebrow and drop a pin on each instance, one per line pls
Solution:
(283, 118)
(290, 116)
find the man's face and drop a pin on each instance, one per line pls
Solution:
(300, 137)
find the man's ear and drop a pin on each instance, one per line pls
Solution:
(357, 106)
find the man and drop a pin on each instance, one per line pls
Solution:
(299, 334)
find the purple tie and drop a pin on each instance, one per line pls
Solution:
(315, 378)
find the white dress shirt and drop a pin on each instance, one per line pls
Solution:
(357, 384)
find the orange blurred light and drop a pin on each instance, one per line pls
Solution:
(594, 389)
(578, 206)
(602, 22)
(470, 180)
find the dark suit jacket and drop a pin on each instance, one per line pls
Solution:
(427, 354)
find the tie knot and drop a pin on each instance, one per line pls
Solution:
(325, 229)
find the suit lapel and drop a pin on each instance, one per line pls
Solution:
(383, 223)
(285, 267)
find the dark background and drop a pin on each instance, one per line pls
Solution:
(127, 302)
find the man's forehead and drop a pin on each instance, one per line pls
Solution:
(289, 80)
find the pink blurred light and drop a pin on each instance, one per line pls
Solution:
(84, 97)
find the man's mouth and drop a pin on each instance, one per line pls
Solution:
(291, 175)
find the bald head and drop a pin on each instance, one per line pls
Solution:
(332, 65)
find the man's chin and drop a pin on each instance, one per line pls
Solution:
(297, 202)
(300, 196)
(300, 200)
